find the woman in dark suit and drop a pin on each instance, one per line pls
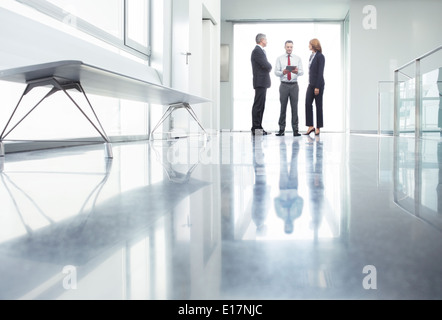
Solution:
(315, 89)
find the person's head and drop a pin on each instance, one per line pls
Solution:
(261, 39)
(288, 46)
(315, 45)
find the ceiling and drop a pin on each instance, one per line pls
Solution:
(283, 10)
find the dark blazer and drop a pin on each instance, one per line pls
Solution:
(316, 71)
(261, 69)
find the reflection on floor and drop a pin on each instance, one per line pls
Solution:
(237, 217)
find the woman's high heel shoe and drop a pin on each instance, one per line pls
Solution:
(309, 131)
(317, 132)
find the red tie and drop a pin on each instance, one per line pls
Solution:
(289, 75)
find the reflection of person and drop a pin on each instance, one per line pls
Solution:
(288, 204)
(439, 86)
(315, 89)
(261, 82)
(261, 191)
(289, 86)
(314, 158)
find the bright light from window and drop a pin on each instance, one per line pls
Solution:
(329, 34)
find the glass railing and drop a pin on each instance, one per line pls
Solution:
(417, 96)
(385, 110)
(418, 179)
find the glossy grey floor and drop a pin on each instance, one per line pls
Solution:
(236, 217)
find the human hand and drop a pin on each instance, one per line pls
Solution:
(316, 91)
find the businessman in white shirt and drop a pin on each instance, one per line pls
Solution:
(288, 68)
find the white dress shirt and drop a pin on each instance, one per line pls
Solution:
(312, 56)
(281, 63)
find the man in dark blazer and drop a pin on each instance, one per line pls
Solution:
(315, 89)
(261, 82)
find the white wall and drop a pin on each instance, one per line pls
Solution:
(405, 30)
(188, 36)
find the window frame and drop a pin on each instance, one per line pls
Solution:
(146, 50)
(126, 44)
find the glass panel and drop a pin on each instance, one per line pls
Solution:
(430, 101)
(407, 102)
(418, 180)
(137, 26)
(106, 15)
(405, 179)
(431, 69)
(439, 87)
(107, 20)
(386, 107)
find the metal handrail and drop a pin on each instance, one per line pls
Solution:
(416, 61)
(420, 58)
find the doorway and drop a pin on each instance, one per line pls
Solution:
(330, 35)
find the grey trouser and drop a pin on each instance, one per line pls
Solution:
(286, 91)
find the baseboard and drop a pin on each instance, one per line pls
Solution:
(13, 146)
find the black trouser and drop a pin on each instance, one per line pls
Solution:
(286, 91)
(309, 98)
(258, 108)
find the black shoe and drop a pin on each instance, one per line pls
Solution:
(296, 134)
(309, 131)
(260, 132)
(280, 134)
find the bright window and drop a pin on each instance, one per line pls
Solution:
(330, 36)
(122, 23)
